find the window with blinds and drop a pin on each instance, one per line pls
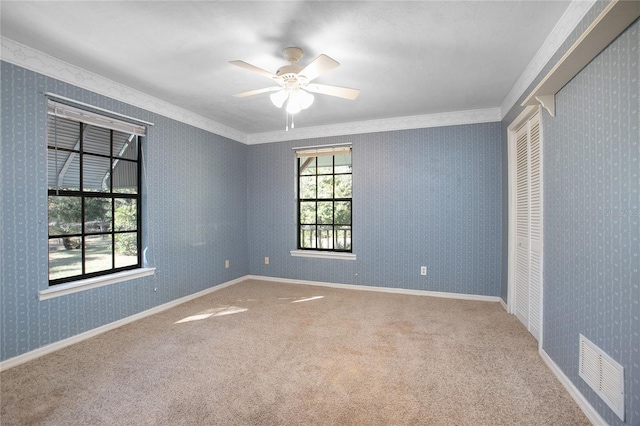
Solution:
(94, 201)
(325, 199)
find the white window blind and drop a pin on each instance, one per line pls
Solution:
(322, 152)
(71, 113)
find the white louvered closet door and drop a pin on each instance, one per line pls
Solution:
(528, 266)
(535, 227)
(522, 225)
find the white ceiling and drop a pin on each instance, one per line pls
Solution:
(408, 58)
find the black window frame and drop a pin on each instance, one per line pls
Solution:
(84, 194)
(299, 173)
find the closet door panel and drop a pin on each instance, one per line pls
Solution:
(522, 226)
(535, 227)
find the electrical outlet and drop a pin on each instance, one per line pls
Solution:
(423, 270)
(266, 260)
(226, 264)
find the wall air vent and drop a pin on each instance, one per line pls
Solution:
(603, 375)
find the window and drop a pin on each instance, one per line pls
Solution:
(324, 199)
(93, 167)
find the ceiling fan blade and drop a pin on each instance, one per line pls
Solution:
(320, 65)
(257, 92)
(243, 64)
(340, 92)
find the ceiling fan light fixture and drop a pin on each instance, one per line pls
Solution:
(278, 98)
(305, 99)
(293, 107)
(299, 100)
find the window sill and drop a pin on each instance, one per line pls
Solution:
(95, 282)
(323, 254)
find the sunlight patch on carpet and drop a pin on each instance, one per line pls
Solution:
(215, 312)
(307, 299)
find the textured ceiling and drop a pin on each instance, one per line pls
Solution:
(408, 58)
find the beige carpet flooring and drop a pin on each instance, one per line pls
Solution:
(262, 353)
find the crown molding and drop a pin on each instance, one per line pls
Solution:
(34, 60)
(475, 116)
(563, 29)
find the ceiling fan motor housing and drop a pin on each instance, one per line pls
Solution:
(289, 74)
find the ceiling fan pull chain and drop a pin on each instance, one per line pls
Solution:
(293, 126)
(286, 120)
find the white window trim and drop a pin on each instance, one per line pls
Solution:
(323, 254)
(94, 282)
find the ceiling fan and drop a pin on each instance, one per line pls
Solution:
(294, 81)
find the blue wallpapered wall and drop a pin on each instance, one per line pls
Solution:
(421, 197)
(195, 192)
(591, 219)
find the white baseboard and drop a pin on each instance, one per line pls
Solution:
(504, 305)
(44, 350)
(582, 402)
(379, 289)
